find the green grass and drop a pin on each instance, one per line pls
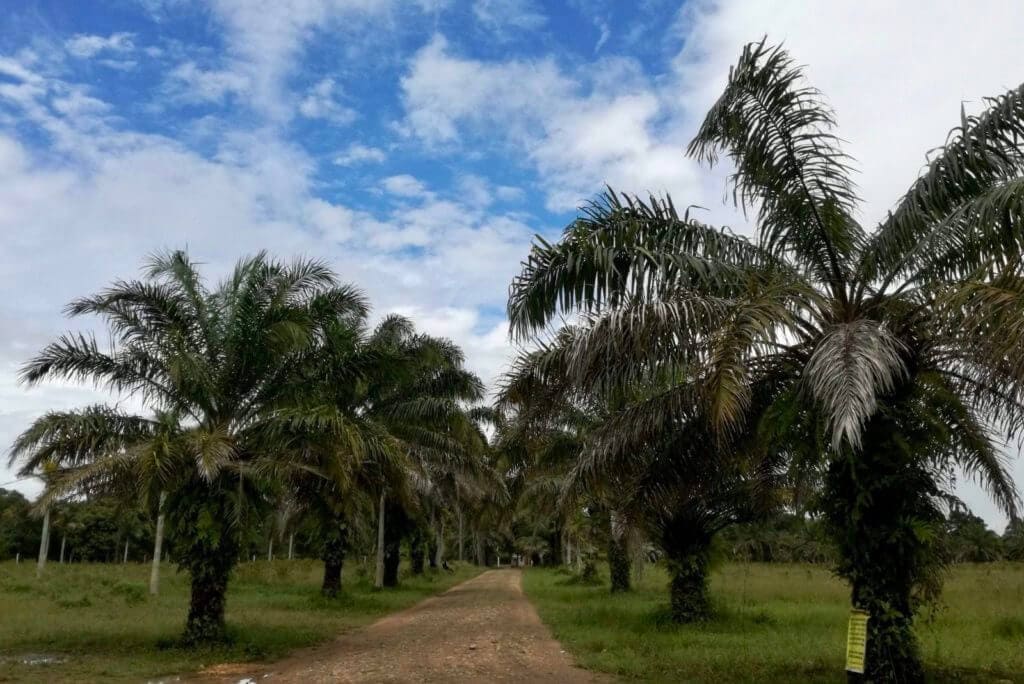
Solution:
(98, 622)
(778, 623)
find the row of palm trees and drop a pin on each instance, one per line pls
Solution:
(267, 391)
(704, 377)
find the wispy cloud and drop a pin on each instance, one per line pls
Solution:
(321, 102)
(357, 153)
(504, 18)
(86, 46)
(404, 185)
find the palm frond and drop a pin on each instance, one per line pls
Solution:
(789, 163)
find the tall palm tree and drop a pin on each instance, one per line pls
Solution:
(225, 360)
(895, 354)
(415, 394)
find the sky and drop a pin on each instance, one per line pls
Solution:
(416, 145)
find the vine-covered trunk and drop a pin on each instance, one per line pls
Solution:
(879, 506)
(688, 588)
(209, 586)
(687, 547)
(618, 555)
(334, 543)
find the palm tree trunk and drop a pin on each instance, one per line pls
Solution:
(481, 555)
(462, 538)
(439, 551)
(209, 585)
(618, 554)
(270, 548)
(416, 551)
(44, 543)
(874, 503)
(393, 543)
(688, 551)
(334, 545)
(378, 579)
(158, 545)
(63, 542)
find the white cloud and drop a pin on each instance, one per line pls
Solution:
(188, 82)
(265, 38)
(475, 190)
(90, 205)
(508, 193)
(357, 153)
(86, 46)
(405, 185)
(580, 132)
(321, 102)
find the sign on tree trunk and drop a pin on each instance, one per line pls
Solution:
(856, 641)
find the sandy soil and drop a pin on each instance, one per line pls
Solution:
(483, 630)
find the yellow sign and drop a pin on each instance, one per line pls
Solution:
(856, 641)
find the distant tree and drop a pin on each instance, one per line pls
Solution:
(1013, 540)
(970, 540)
(19, 531)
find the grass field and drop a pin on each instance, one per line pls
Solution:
(98, 622)
(778, 623)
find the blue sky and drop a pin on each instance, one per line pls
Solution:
(416, 145)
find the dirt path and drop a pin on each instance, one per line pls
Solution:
(483, 630)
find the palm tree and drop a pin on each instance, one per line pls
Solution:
(427, 409)
(641, 459)
(225, 361)
(894, 354)
(380, 411)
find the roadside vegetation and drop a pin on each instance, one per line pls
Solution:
(92, 622)
(777, 622)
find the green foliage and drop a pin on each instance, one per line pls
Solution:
(775, 623)
(779, 539)
(1013, 540)
(970, 541)
(19, 531)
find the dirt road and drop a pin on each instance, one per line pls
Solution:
(483, 630)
